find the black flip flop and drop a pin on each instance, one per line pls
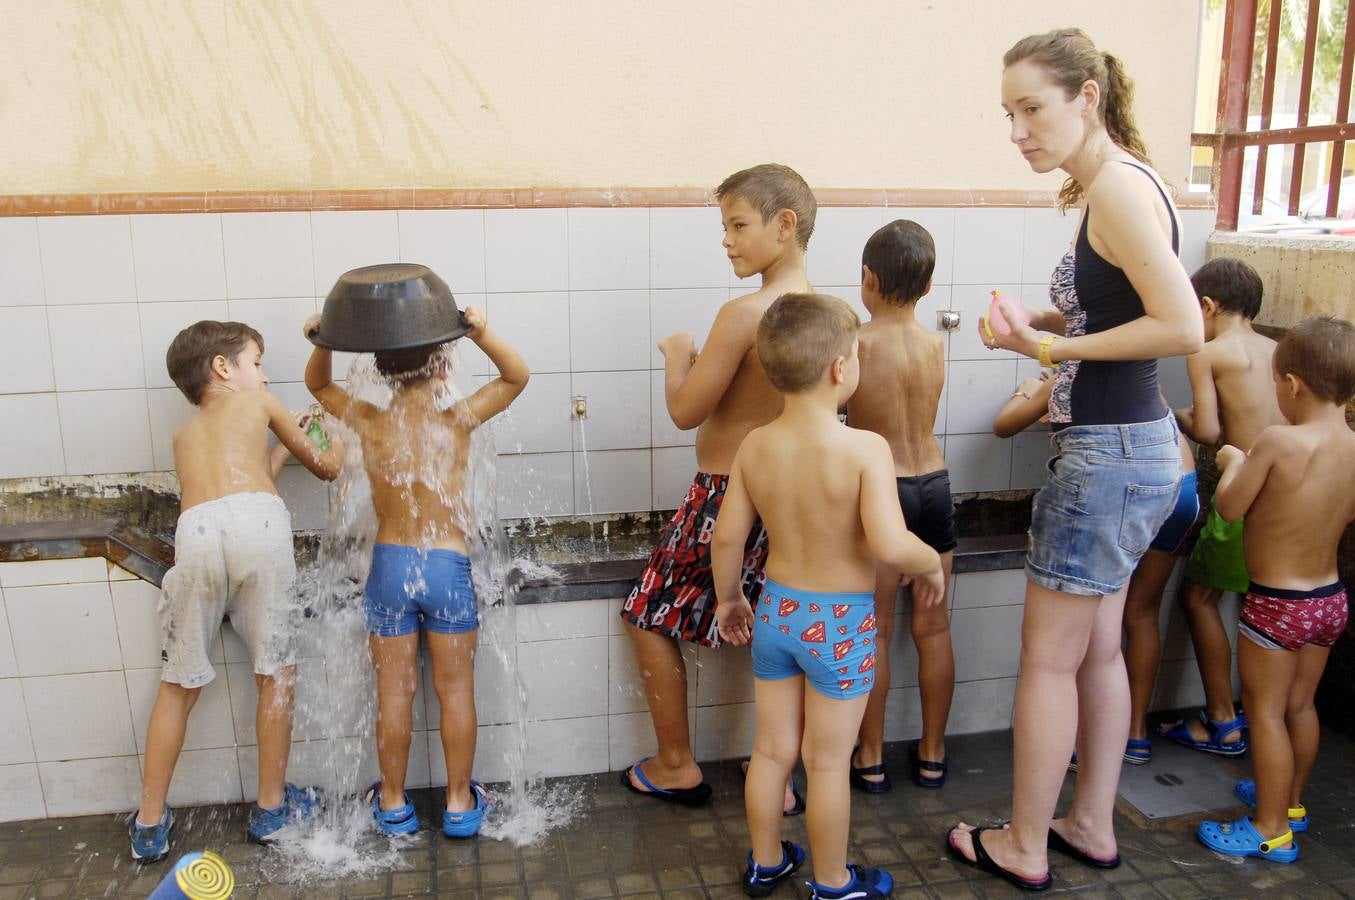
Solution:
(861, 783)
(1059, 843)
(918, 764)
(983, 862)
(693, 796)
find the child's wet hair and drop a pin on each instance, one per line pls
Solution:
(1230, 283)
(1320, 350)
(190, 354)
(770, 188)
(411, 362)
(799, 337)
(902, 255)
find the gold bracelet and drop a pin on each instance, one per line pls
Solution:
(1045, 343)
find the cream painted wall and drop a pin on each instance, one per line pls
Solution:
(127, 95)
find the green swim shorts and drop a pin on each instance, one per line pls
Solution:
(1217, 560)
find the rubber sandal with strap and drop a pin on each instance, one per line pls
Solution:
(1138, 752)
(1217, 731)
(985, 863)
(693, 796)
(857, 776)
(918, 763)
(1241, 838)
(1245, 791)
(1059, 844)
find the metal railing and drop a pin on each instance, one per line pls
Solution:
(1231, 137)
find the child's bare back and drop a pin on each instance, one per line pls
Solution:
(1240, 363)
(902, 376)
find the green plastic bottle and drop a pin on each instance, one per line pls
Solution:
(315, 431)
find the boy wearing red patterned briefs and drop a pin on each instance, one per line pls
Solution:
(1296, 491)
(768, 215)
(827, 498)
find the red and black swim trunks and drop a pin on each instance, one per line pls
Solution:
(675, 594)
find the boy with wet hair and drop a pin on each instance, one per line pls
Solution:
(768, 214)
(415, 451)
(1295, 489)
(232, 556)
(813, 625)
(1234, 402)
(903, 369)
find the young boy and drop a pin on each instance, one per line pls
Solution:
(1295, 489)
(232, 556)
(415, 452)
(1234, 403)
(768, 214)
(903, 369)
(826, 495)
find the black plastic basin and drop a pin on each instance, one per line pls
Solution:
(392, 306)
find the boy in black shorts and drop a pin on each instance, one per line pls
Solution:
(903, 369)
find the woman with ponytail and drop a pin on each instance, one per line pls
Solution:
(1122, 301)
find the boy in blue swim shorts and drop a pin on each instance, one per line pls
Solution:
(826, 496)
(415, 451)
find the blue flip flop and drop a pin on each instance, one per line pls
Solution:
(1241, 838)
(1217, 731)
(693, 796)
(1245, 791)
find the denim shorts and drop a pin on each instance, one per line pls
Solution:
(1110, 488)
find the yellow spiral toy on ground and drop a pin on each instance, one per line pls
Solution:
(198, 876)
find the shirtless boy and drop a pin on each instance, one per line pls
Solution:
(1234, 402)
(813, 627)
(903, 369)
(415, 452)
(232, 556)
(1295, 489)
(768, 215)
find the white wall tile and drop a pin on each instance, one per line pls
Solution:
(630, 738)
(1196, 227)
(268, 254)
(209, 725)
(840, 234)
(168, 409)
(1048, 235)
(987, 642)
(21, 793)
(662, 431)
(86, 787)
(539, 421)
(608, 249)
(971, 302)
(562, 621)
(179, 257)
(625, 686)
(723, 676)
(79, 716)
(96, 347)
(536, 484)
(618, 481)
(306, 497)
(685, 248)
(609, 330)
(982, 706)
(52, 571)
(495, 746)
(978, 462)
(564, 679)
(105, 431)
(618, 409)
(724, 731)
(496, 689)
(348, 239)
(979, 387)
(36, 447)
(16, 744)
(1030, 454)
(134, 609)
(311, 692)
(63, 629)
(1175, 382)
(903, 714)
(536, 325)
(940, 224)
(206, 776)
(285, 351)
(26, 348)
(988, 246)
(526, 250)
(1035, 295)
(567, 747)
(87, 259)
(671, 311)
(21, 262)
(903, 660)
(9, 666)
(1003, 587)
(1178, 685)
(672, 471)
(161, 322)
(451, 242)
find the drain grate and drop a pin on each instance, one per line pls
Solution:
(1180, 782)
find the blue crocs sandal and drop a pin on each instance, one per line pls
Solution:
(1241, 838)
(1138, 752)
(1245, 791)
(759, 881)
(392, 822)
(150, 843)
(467, 824)
(1217, 731)
(297, 803)
(866, 884)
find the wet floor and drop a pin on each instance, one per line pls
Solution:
(624, 845)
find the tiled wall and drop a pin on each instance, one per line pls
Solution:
(79, 668)
(89, 303)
